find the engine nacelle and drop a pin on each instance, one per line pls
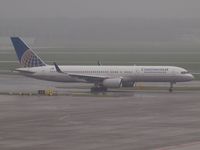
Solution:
(128, 83)
(112, 83)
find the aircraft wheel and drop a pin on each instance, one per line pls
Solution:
(170, 90)
(98, 89)
(171, 87)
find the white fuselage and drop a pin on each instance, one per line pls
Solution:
(127, 73)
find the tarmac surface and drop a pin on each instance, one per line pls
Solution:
(134, 120)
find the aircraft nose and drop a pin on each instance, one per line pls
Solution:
(191, 77)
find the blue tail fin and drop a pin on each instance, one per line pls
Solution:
(26, 56)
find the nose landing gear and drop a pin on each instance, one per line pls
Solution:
(171, 86)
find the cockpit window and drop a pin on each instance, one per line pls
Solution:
(184, 72)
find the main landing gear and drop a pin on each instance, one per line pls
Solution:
(171, 86)
(98, 89)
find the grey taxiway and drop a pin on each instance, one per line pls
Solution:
(136, 120)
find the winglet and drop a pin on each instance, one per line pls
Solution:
(57, 68)
(99, 63)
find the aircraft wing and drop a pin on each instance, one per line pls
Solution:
(88, 78)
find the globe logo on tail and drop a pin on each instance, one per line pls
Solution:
(29, 59)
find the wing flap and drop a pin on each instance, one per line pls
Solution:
(88, 78)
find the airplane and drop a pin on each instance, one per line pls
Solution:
(102, 76)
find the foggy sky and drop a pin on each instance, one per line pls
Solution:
(100, 8)
(101, 23)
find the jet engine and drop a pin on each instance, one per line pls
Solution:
(112, 83)
(128, 83)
